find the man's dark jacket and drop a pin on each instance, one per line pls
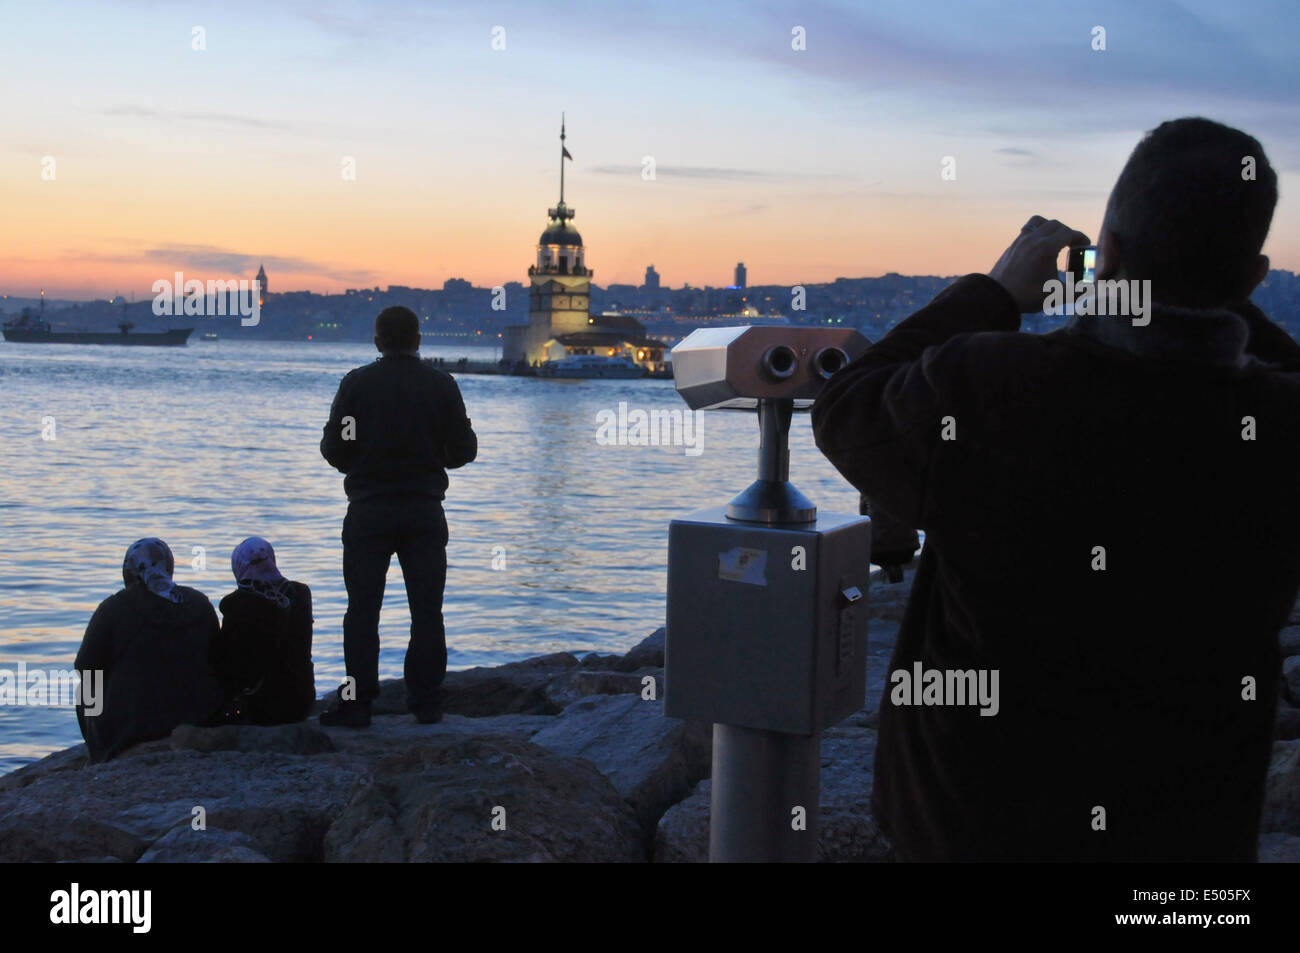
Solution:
(1145, 690)
(408, 426)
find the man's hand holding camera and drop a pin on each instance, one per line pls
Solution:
(1031, 260)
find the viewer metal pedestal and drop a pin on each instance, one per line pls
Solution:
(760, 779)
(767, 627)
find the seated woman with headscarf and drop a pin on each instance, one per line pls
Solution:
(263, 654)
(151, 642)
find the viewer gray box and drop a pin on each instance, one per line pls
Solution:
(754, 641)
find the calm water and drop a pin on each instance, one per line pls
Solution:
(205, 445)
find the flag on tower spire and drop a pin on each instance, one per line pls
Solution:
(564, 154)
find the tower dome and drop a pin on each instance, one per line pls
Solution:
(560, 232)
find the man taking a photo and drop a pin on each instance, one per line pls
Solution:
(1112, 524)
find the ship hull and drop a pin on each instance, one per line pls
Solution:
(174, 338)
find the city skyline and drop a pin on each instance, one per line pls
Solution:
(806, 165)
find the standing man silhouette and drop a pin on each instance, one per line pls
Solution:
(397, 425)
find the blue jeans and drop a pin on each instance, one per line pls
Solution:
(415, 528)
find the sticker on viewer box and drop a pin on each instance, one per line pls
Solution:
(743, 565)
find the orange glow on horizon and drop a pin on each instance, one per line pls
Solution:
(104, 230)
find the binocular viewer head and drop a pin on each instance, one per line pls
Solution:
(717, 368)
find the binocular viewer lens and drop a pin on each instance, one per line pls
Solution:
(780, 361)
(740, 366)
(829, 360)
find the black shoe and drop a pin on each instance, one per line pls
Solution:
(428, 716)
(345, 713)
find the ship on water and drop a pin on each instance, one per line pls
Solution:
(25, 330)
(592, 366)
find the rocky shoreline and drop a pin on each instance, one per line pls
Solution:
(554, 758)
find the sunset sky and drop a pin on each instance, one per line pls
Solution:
(806, 165)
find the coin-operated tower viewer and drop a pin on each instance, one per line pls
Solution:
(767, 609)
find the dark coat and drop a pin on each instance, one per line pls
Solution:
(154, 656)
(263, 655)
(410, 428)
(1120, 688)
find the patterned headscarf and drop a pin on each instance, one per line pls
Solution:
(149, 563)
(253, 563)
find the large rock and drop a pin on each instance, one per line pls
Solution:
(389, 734)
(1279, 849)
(284, 803)
(183, 844)
(579, 683)
(682, 835)
(391, 699)
(545, 688)
(518, 688)
(33, 832)
(284, 832)
(1286, 726)
(653, 761)
(244, 778)
(438, 802)
(1282, 790)
(301, 738)
(1289, 640)
(1291, 678)
(847, 831)
(599, 662)
(648, 653)
(69, 759)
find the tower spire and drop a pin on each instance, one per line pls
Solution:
(562, 213)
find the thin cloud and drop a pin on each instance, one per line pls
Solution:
(216, 260)
(754, 209)
(227, 119)
(714, 173)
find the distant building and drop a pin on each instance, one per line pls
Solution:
(261, 284)
(741, 274)
(651, 279)
(559, 299)
(560, 323)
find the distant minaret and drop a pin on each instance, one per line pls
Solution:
(261, 284)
